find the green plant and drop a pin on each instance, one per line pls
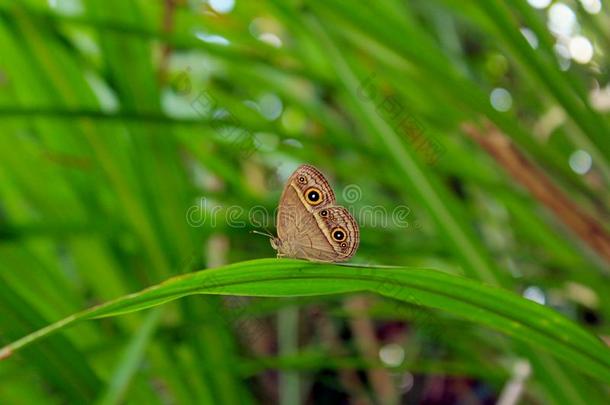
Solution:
(142, 141)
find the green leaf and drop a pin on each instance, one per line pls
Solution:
(521, 319)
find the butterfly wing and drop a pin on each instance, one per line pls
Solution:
(340, 229)
(308, 178)
(305, 178)
(334, 237)
(307, 220)
(299, 234)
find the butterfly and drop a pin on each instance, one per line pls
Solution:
(309, 224)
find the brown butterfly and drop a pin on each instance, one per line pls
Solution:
(309, 224)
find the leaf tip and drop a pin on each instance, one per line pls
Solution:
(5, 353)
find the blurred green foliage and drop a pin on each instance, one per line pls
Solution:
(145, 139)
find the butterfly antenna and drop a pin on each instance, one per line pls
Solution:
(262, 233)
(269, 232)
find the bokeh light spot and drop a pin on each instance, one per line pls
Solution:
(212, 38)
(222, 6)
(392, 354)
(501, 99)
(531, 38)
(581, 49)
(271, 39)
(535, 294)
(580, 162)
(270, 106)
(562, 20)
(539, 3)
(591, 6)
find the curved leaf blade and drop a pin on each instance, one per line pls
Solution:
(493, 307)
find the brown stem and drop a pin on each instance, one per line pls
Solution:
(168, 27)
(366, 340)
(500, 147)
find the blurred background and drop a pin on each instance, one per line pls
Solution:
(144, 139)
